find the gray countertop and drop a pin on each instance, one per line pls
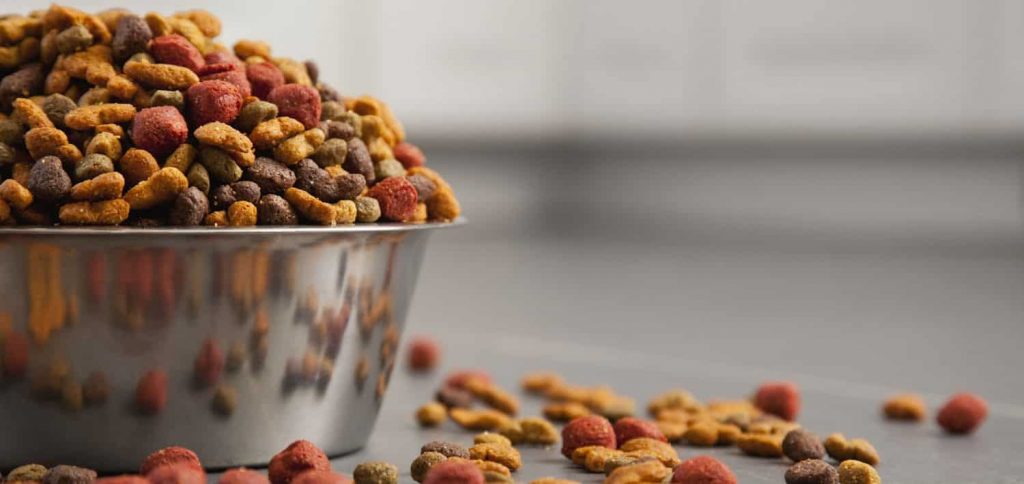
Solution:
(850, 325)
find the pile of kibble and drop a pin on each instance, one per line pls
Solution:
(113, 118)
(601, 434)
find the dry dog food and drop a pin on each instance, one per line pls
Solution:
(703, 469)
(243, 476)
(300, 456)
(170, 456)
(800, 444)
(447, 449)
(812, 471)
(841, 449)
(905, 407)
(645, 472)
(424, 352)
(454, 472)
(781, 399)
(64, 474)
(422, 464)
(375, 472)
(151, 392)
(83, 95)
(431, 414)
(592, 430)
(499, 452)
(176, 474)
(963, 413)
(630, 428)
(856, 472)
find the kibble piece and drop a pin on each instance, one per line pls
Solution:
(585, 431)
(447, 449)
(299, 457)
(268, 134)
(88, 117)
(644, 446)
(199, 177)
(31, 114)
(431, 414)
(453, 397)
(760, 445)
(310, 207)
(367, 209)
(151, 392)
(137, 165)
(15, 194)
(422, 464)
(552, 480)
(565, 411)
(492, 395)
(96, 388)
(101, 187)
(397, 198)
(630, 428)
(175, 49)
(388, 168)
(225, 399)
(106, 144)
(219, 164)
(168, 456)
(779, 398)
(131, 36)
(297, 101)
(223, 136)
(213, 101)
(56, 107)
(856, 472)
(801, 445)
(491, 438)
(454, 471)
(840, 449)
(160, 188)
(905, 407)
(812, 471)
(254, 113)
(48, 181)
(242, 214)
(537, 431)
(159, 130)
(243, 476)
(160, 76)
(216, 219)
(703, 469)
(64, 474)
(331, 153)
(358, 160)
(174, 99)
(27, 472)
(274, 210)
(375, 472)
(298, 147)
(483, 419)
(963, 413)
(644, 472)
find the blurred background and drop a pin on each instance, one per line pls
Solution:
(822, 190)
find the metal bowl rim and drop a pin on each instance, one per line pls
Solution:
(203, 231)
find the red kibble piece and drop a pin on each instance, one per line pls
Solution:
(210, 101)
(629, 428)
(234, 76)
(321, 477)
(209, 362)
(169, 456)
(963, 413)
(242, 475)
(122, 479)
(397, 198)
(177, 50)
(159, 130)
(454, 472)
(299, 457)
(409, 155)
(264, 77)
(781, 399)
(176, 474)
(703, 469)
(222, 57)
(585, 431)
(458, 379)
(217, 68)
(15, 357)
(299, 102)
(424, 354)
(151, 392)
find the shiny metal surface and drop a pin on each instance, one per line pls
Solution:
(314, 313)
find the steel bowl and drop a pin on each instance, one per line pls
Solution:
(262, 336)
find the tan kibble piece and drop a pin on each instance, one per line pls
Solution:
(905, 407)
(158, 24)
(88, 117)
(158, 189)
(541, 382)
(122, 87)
(69, 153)
(380, 150)
(160, 76)
(137, 165)
(20, 171)
(248, 48)
(597, 458)
(45, 141)
(553, 480)
(101, 187)
(677, 399)
(761, 445)
(392, 122)
(106, 144)
(374, 127)
(269, 133)
(491, 394)
(182, 157)
(242, 214)
(537, 431)
(294, 71)
(673, 431)
(443, 205)
(491, 438)
(57, 81)
(431, 414)
(106, 212)
(190, 31)
(579, 455)
(841, 449)
(855, 472)
(505, 455)
(15, 194)
(644, 472)
(643, 446)
(311, 207)
(223, 136)
(31, 114)
(207, 22)
(216, 219)
(482, 419)
(487, 466)
(298, 147)
(431, 175)
(565, 411)
(114, 129)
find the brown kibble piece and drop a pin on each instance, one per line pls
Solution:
(431, 414)
(160, 188)
(900, 407)
(811, 471)
(800, 444)
(419, 467)
(102, 187)
(841, 449)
